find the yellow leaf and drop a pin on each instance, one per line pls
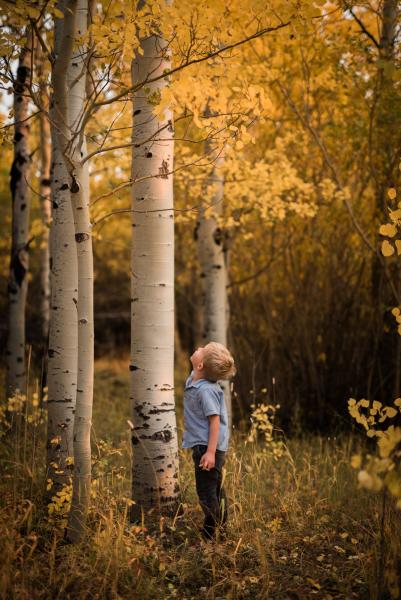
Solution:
(398, 246)
(397, 402)
(392, 193)
(356, 461)
(32, 12)
(58, 13)
(395, 311)
(391, 412)
(370, 482)
(393, 483)
(313, 583)
(388, 229)
(387, 248)
(364, 403)
(389, 441)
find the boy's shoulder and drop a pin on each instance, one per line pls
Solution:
(210, 387)
(203, 384)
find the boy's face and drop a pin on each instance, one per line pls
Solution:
(197, 358)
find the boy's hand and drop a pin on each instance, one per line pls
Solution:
(207, 461)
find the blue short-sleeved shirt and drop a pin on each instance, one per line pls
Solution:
(201, 399)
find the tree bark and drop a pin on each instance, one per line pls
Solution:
(63, 330)
(384, 168)
(386, 101)
(154, 436)
(45, 195)
(83, 239)
(211, 251)
(389, 18)
(19, 260)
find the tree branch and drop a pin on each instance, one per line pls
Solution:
(362, 26)
(194, 61)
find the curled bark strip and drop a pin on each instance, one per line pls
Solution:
(163, 436)
(163, 170)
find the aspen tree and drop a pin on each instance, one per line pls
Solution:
(386, 106)
(76, 77)
(154, 434)
(384, 150)
(19, 262)
(45, 193)
(63, 333)
(211, 251)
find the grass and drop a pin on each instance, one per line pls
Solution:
(299, 526)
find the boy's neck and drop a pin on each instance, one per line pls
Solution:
(198, 375)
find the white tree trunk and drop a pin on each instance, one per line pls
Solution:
(19, 263)
(154, 439)
(63, 331)
(210, 239)
(83, 240)
(45, 196)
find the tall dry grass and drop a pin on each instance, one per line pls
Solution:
(299, 527)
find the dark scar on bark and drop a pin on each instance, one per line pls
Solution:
(81, 237)
(74, 186)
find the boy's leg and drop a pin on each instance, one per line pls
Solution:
(211, 494)
(207, 483)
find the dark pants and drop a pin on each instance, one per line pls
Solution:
(212, 497)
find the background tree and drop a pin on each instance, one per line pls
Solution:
(212, 257)
(77, 76)
(20, 195)
(44, 190)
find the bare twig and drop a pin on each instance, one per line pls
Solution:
(362, 26)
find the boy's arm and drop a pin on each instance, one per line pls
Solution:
(208, 459)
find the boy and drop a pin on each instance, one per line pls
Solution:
(206, 431)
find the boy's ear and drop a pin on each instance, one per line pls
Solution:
(200, 365)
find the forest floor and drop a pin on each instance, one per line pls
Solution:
(299, 526)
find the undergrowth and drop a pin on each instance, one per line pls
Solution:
(299, 525)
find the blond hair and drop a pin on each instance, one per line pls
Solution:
(218, 362)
